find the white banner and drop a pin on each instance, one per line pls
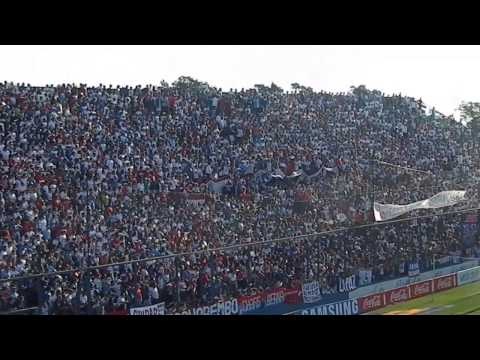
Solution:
(364, 277)
(229, 307)
(347, 284)
(445, 198)
(157, 309)
(413, 269)
(468, 276)
(311, 292)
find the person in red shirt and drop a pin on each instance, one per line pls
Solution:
(139, 296)
(172, 103)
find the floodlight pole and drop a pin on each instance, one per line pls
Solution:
(433, 281)
(463, 153)
(372, 175)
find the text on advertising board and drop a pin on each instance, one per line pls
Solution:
(444, 283)
(421, 289)
(346, 307)
(157, 309)
(371, 302)
(397, 295)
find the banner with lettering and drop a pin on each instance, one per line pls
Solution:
(274, 297)
(346, 307)
(413, 269)
(311, 292)
(265, 299)
(347, 284)
(250, 303)
(228, 307)
(364, 277)
(157, 309)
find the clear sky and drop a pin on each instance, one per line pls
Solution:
(442, 76)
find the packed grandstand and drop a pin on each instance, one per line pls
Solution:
(234, 194)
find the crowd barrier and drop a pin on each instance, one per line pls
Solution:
(376, 296)
(415, 290)
(406, 280)
(307, 299)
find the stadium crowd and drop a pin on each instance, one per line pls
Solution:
(98, 175)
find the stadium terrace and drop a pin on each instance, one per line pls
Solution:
(92, 176)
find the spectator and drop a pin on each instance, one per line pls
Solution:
(97, 175)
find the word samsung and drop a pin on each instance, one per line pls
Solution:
(347, 307)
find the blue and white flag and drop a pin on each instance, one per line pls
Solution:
(413, 269)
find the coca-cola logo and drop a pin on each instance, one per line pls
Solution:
(398, 295)
(421, 289)
(445, 283)
(372, 302)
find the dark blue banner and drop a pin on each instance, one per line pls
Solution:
(345, 307)
(469, 234)
(282, 309)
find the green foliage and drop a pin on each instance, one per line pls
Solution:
(301, 88)
(275, 88)
(260, 87)
(189, 82)
(470, 113)
(359, 90)
(362, 90)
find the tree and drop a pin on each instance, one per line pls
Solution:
(260, 87)
(188, 82)
(359, 90)
(470, 113)
(275, 88)
(301, 88)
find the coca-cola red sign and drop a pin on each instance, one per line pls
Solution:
(397, 295)
(421, 289)
(371, 302)
(444, 282)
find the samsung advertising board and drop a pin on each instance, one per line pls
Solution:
(291, 309)
(345, 307)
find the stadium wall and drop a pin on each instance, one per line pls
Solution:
(415, 290)
(308, 300)
(406, 280)
(468, 276)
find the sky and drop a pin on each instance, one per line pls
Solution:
(443, 76)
